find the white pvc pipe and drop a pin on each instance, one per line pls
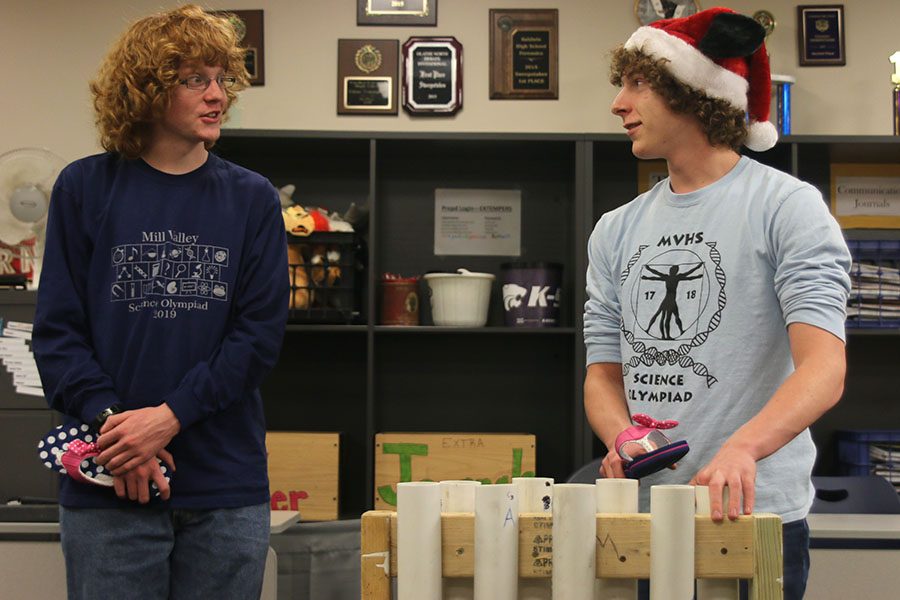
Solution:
(496, 542)
(535, 496)
(418, 541)
(714, 589)
(616, 496)
(672, 542)
(574, 541)
(458, 495)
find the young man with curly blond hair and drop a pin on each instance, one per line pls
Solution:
(717, 299)
(161, 307)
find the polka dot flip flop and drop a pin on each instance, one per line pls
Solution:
(70, 450)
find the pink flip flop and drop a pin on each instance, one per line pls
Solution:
(658, 452)
(71, 449)
(78, 464)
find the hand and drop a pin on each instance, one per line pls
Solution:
(733, 467)
(135, 484)
(133, 437)
(612, 466)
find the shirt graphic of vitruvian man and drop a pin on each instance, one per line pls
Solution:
(672, 299)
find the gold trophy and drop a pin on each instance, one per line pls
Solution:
(767, 20)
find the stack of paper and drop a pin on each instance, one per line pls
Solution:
(17, 358)
(875, 292)
(885, 460)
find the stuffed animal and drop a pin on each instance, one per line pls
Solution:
(325, 272)
(301, 222)
(317, 265)
(337, 223)
(296, 217)
(333, 272)
(313, 267)
(298, 278)
(285, 194)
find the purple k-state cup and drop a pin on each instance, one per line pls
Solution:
(531, 293)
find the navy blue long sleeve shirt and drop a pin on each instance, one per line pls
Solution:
(161, 288)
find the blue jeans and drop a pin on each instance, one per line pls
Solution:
(795, 543)
(164, 554)
(796, 558)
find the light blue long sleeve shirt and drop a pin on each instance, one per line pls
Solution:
(693, 294)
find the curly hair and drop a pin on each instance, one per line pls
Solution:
(723, 124)
(132, 89)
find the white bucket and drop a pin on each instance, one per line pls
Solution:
(460, 299)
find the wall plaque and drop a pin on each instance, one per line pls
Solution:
(821, 35)
(249, 26)
(367, 77)
(432, 75)
(648, 11)
(524, 55)
(396, 12)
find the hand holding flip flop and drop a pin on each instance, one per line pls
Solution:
(71, 450)
(645, 449)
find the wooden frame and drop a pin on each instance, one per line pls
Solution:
(882, 179)
(820, 33)
(251, 24)
(396, 12)
(748, 548)
(367, 78)
(645, 12)
(524, 54)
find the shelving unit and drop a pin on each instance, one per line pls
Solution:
(23, 420)
(367, 378)
(504, 379)
(374, 378)
(870, 398)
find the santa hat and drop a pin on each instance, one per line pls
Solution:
(721, 54)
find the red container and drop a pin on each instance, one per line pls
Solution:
(400, 300)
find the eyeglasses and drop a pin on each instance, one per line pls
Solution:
(200, 83)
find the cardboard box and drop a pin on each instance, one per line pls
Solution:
(487, 457)
(303, 473)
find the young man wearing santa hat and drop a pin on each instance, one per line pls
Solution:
(716, 299)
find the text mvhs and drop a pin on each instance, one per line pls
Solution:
(681, 239)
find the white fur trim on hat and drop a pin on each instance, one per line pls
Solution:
(762, 136)
(688, 65)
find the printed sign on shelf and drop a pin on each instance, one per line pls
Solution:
(866, 195)
(477, 222)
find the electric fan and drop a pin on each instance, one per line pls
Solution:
(27, 176)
